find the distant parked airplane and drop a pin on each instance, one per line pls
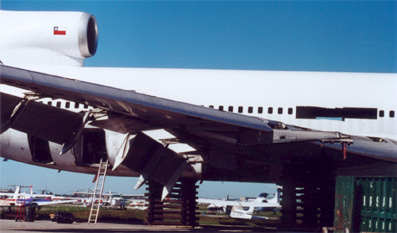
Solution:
(244, 209)
(137, 202)
(109, 199)
(21, 199)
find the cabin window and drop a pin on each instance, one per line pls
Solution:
(211, 106)
(230, 109)
(76, 105)
(58, 104)
(85, 106)
(270, 110)
(250, 109)
(240, 109)
(260, 110)
(280, 110)
(290, 111)
(49, 102)
(67, 105)
(391, 114)
(221, 108)
(381, 113)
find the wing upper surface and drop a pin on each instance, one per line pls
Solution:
(153, 112)
(130, 111)
(130, 103)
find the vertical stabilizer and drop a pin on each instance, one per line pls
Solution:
(16, 193)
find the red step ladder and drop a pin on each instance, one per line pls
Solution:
(20, 203)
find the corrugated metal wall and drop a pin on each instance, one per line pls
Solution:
(378, 203)
(366, 204)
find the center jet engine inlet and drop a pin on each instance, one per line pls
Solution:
(152, 160)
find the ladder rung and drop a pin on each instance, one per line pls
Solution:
(102, 168)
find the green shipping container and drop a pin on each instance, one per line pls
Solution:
(366, 204)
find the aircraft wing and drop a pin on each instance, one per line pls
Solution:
(150, 112)
(218, 203)
(224, 137)
(46, 203)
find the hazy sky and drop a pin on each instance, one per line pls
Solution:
(351, 36)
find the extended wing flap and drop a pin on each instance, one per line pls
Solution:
(153, 161)
(7, 104)
(39, 120)
(47, 122)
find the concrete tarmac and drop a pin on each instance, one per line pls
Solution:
(46, 226)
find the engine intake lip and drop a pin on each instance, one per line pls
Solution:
(88, 35)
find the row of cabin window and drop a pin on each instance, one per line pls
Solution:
(67, 104)
(240, 109)
(230, 109)
(391, 113)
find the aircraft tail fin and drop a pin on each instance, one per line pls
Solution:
(277, 196)
(16, 193)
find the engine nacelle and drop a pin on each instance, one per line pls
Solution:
(47, 38)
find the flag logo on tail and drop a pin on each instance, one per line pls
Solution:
(59, 30)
